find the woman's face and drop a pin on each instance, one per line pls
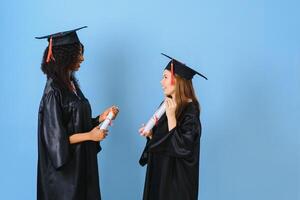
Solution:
(80, 60)
(167, 87)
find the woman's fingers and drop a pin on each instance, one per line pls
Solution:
(142, 128)
(167, 103)
(142, 133)
(147, 134)
(115, 111)
(170, 103)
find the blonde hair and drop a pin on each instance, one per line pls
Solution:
(184, 92)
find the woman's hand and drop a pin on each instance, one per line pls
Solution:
(115, 111)
(170, 108)
(97, 134)
(171, 112)
(145, 134)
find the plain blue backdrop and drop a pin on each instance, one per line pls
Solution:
(249, 50)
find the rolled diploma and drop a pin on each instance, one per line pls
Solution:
(107, 121)
(157, 115)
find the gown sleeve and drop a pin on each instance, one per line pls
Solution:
(144, 157)
(95, 121)
(54, 135)
(180, 141)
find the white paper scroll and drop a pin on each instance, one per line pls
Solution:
(154, 119)
(107, 121)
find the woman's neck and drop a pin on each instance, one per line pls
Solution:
(70, 75)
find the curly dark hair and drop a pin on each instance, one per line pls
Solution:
(66, 59)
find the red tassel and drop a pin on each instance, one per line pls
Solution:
(172, 74)
(50, 55)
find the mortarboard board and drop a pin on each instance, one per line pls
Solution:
(61, 38)
(180, 69)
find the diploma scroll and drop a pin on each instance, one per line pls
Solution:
(154, 119)
(107, 121)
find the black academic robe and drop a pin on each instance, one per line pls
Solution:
(172, 158)
(66, 171)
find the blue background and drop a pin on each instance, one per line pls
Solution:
(249, 50)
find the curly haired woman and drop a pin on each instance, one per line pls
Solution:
(68, 136)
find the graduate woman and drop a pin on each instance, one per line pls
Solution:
(68, 136)
(173, 145)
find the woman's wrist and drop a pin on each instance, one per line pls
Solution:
(88, 136)
(172, 122)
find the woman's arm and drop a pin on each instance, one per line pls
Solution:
(94, 135)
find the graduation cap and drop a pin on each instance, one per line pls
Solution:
(180, 69)
(61, 38)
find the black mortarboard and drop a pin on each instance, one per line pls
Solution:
(181, 69)
(61, 38)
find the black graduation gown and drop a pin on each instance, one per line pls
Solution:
(66, 171)
(172, 158)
